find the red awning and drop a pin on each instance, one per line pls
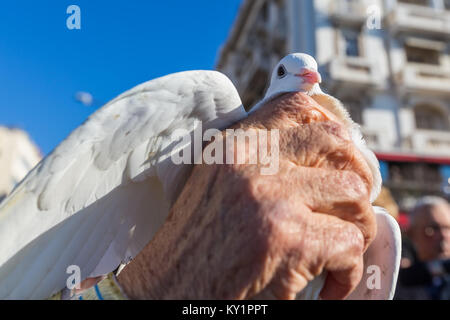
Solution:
(404, 157)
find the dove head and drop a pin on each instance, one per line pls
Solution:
(297, 72)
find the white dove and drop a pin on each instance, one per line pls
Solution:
(102, 194)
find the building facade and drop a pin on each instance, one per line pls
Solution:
(18, 155)
(388, 61)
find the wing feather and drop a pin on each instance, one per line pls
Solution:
(102, 194)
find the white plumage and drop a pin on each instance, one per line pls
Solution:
(102, 194)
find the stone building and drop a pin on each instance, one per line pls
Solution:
(388, 61)
(18, 155)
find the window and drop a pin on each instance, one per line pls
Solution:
(279, 40)
(431, 118)
(351, 42)
(265, 11)
(447, 4)
(422, 55)
(416, 2)
(350, 6)
(255, 92)
(422, 175)
(355, 110)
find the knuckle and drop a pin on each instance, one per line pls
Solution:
(334, 129)
(341, 155)
(356, 245)
(257, 187)
(357, 207)
(273, 215)
(361, 166)
(355, 189)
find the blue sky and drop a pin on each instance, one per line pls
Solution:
(120, 44)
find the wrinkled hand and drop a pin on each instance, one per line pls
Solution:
(236, 234)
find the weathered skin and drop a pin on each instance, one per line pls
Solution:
(236, 234)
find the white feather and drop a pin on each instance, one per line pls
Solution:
(102, 194)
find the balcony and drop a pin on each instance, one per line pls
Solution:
(417, 18)
(259, 61)
(431, 142)
(372, 138)
(378, 137)
(356, 71)
(433, 79)
(251, 75)
(414, 176)
(348, 11)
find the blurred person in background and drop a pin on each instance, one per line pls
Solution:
(425, 267)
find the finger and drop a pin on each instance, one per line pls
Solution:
(338, 193)
(338, 285)
(308, 136)
(344, 192)
(301, 119)
(316, 243)
(324, 145)
(284, 286)
(343, 257)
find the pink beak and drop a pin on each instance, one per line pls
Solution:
(310, 76)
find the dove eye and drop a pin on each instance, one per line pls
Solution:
(281, 72)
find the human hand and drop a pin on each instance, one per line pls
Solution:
(236, 234)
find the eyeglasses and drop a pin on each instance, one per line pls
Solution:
(430, 231)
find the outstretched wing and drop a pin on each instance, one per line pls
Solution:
(101, 195)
